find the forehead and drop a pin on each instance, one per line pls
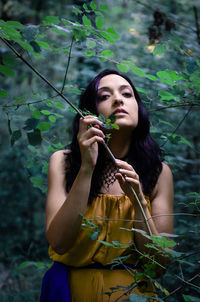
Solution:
(112, 81)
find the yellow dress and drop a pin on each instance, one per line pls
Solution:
(110, 213)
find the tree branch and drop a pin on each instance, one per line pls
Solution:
(179, 124)
(68, 61)
(80, 113)
(174, 106)
(180, 287)
(197, 23)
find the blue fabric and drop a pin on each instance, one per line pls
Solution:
(55, 284)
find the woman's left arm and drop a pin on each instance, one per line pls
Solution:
(160, 218)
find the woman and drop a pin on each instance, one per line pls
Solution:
(84, 181)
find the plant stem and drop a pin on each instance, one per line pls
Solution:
(80, 113)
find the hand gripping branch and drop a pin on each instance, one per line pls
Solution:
(80, 113)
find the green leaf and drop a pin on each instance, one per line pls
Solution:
(93, 5)
(108, 37)
(137, 70)
(142, 90)
(137, 298)
(113, 33)
(90, 43)
(51, 20)
(25, 45)
(52, 118)
(165, 95)
(90, 52)
(94, 235)
(74, 90)
(150, 77)
(45, 112)
(35, 46)
(85, 6)
(191, 65)
(15, 136)
(105, 243)
(30, 124)
(34, 137)
(86, 21)
(123, 67)
(36, 181)
(103, 7)
(59, 106)
(107, 53)
(15, 24)
(175, 139)
(6, 70)
(44, 126)
(11, 33)
(159, 50)
(9, 60)
(30, 32)
(99, 23)
(162, 241)
(168, 76)
(43, 44)
(33, 149)
(36, 114)
(188, 298)
(3, 93)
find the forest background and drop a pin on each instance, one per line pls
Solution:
(69, 42)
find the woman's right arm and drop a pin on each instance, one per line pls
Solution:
(63, 219)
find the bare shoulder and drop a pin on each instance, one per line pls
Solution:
(164, 182)
(166, 173)
(59, 157)
(58, 162)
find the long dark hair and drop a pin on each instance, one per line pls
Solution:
(144, 154)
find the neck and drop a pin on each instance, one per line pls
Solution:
(119, 144)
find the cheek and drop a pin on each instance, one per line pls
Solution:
(102, 109)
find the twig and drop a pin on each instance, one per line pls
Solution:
(179, 124)
(68, 61)
(80, 113)
(41, 76)
(29, 103)
(174, 106)
(180, 287)
(126, 292)
(197, 23)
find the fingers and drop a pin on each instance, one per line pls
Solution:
(123, 164)
(87, 121)
(89, 131)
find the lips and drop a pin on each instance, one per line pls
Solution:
(120, 110)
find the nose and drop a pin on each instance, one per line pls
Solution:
(118, 100)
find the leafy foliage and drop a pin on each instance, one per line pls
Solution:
(158, 47)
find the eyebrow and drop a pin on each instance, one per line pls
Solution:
(110, 89)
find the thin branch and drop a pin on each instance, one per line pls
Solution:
(179, 124)
(174, 106)
(68, 61)
(180, 287)
(126, 292)
(80, 113)
(197, 23)
(41, 76)
(154, 216)
(171, 16)
(29, 103)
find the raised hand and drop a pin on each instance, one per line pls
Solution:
(89, 136)
(127, 178)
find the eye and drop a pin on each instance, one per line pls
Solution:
(103, 97)
(127, 94)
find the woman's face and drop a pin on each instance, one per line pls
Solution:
(115, 96)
